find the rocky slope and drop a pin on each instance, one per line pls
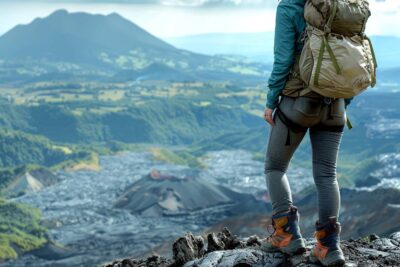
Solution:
(160, 194)
(226, 250)
(30, 181)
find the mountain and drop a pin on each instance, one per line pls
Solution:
(77, 38)
(160, 194)
(80, 46)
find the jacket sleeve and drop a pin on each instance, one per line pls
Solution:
(284, 46)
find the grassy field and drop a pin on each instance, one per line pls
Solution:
(115, 97)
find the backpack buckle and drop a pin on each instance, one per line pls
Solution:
(327, 100)
(327, 29)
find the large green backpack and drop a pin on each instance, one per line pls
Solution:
(337, 59)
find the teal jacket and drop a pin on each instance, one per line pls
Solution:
(289, 26)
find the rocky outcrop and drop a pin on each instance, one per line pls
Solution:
(226, 250)
(30, 181)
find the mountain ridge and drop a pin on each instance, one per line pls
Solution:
(74, 37)
(84, 46)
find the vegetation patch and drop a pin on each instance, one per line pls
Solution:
(18, 148)
(90, 162)
(20, 229)
(179, 157)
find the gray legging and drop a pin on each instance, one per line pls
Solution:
(326, 123)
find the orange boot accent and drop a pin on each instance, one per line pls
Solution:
(286, 236)
(320, 251)
(327, 250)
(280, 238)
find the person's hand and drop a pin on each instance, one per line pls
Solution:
(268, 116)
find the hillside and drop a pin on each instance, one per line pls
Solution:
(25, 159)
(156, 121)
(20, 230)
(18, 148)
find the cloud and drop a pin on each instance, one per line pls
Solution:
(205, 3)
(178, 3)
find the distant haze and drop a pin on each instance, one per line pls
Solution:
(167, 18)
(161, 21)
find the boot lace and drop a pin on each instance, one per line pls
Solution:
(271, 230)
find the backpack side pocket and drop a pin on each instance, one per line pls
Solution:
(310, 107)
(306, 63)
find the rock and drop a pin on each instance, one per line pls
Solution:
(188, 248)
(395, 236)
(127, 263)
(223, 240)
(214, 243)
(297, 260)
(372, 253)
(373, 237)
(385, 244)
(228, 258)
(227, 250)
(253, 241)
(153, 261)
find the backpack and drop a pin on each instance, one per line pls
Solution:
(337, 59)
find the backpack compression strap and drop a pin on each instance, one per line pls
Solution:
(375, 61)
(325, 44)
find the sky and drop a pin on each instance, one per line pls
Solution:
(168, 18)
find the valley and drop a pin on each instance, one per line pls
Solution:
(83, 121)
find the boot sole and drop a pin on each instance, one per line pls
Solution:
(295, 247)
(335, 259)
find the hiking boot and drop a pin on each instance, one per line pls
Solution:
(327, 251)
(286, 236)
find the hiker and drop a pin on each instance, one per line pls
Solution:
(309, 90)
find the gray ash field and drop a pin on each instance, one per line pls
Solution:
(84, 216)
